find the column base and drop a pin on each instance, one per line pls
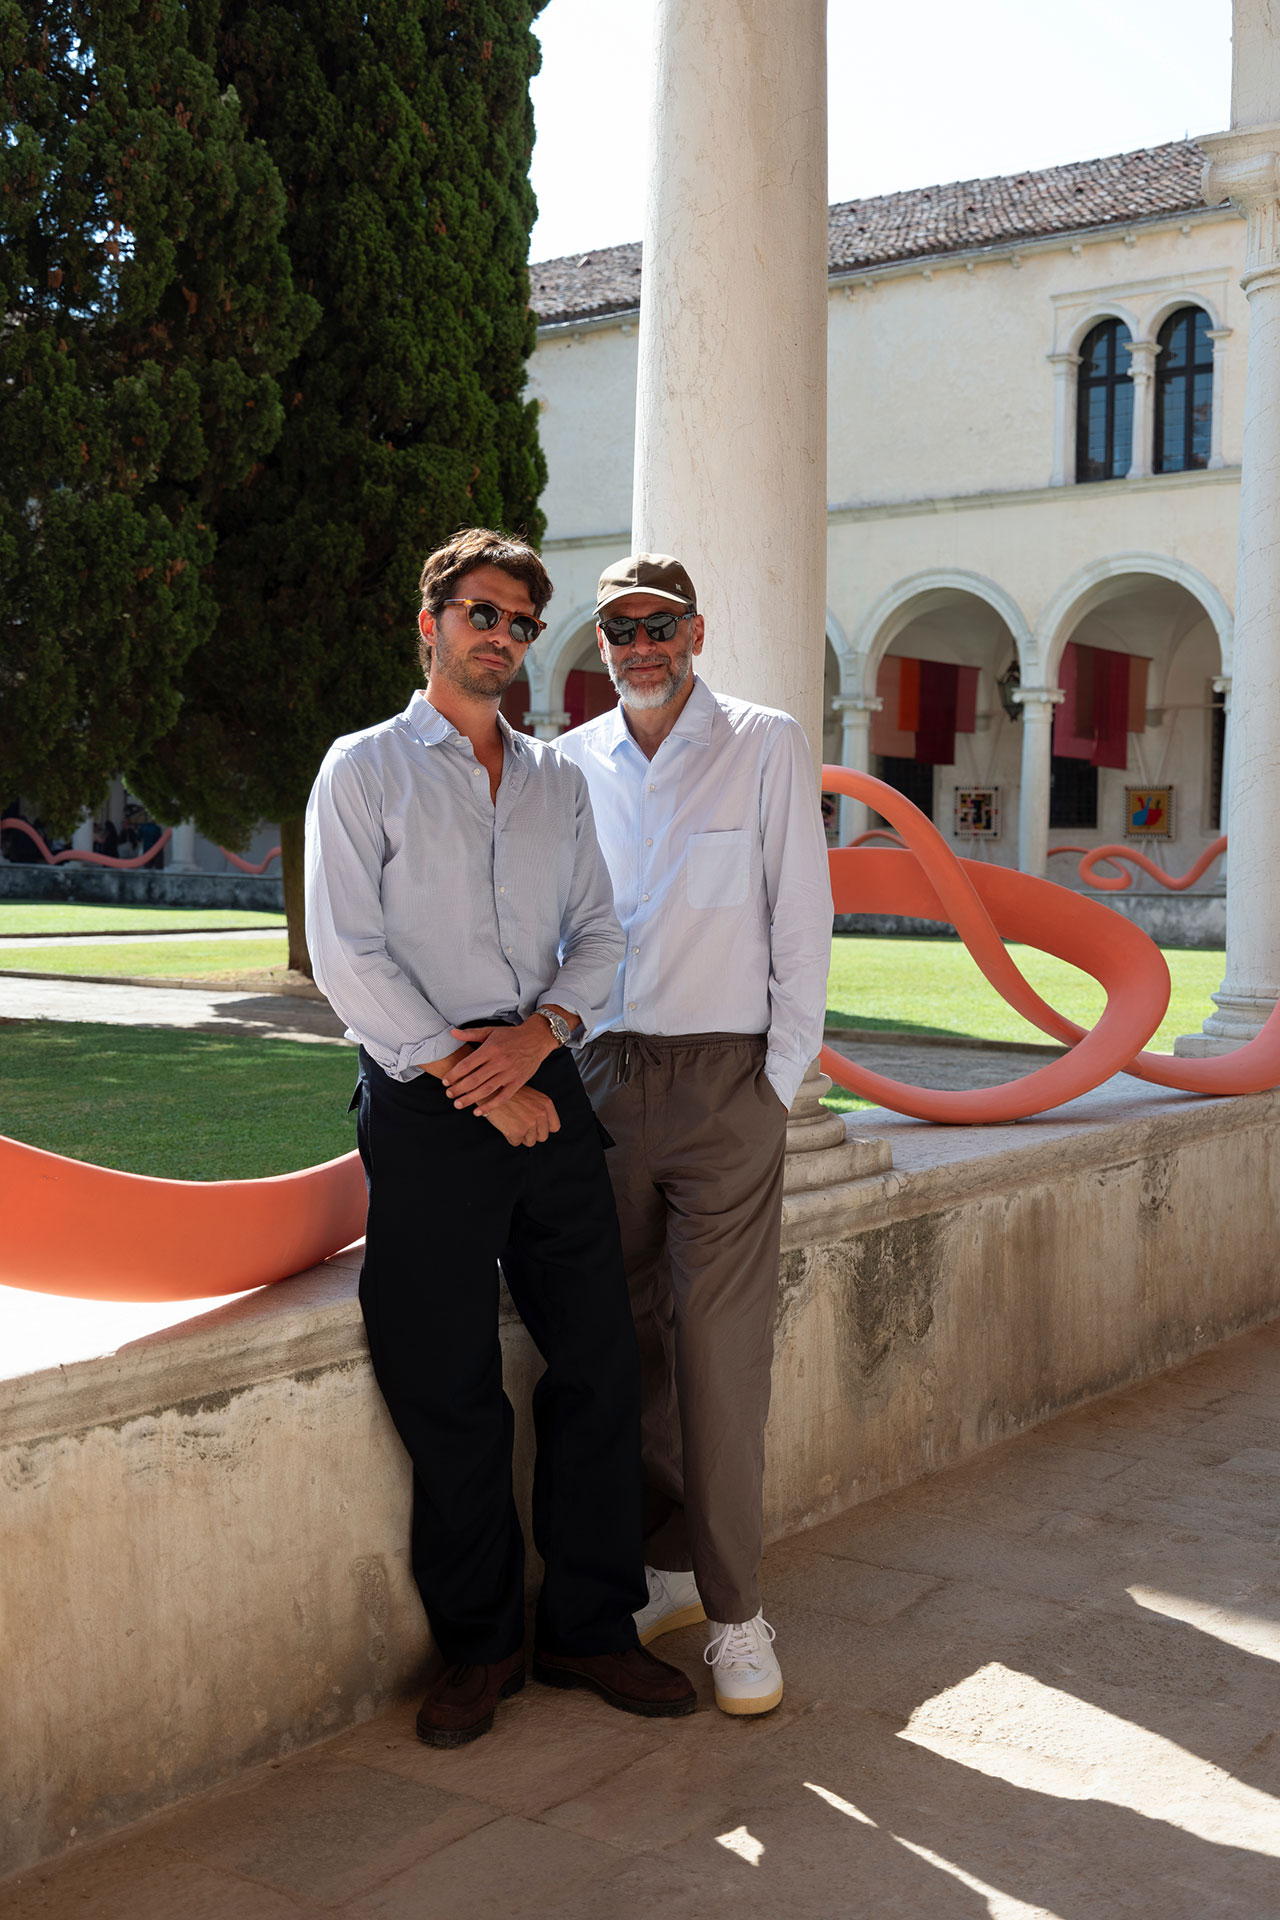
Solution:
(820, 1152)
(1239, 1019)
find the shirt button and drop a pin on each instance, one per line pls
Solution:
(501, 889)
(508, 949)
(635, 949)
(475, 770)
(631, 1006)
(644, 896)
(648, 843)
(652, 784)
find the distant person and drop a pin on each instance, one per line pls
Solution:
(106, 840)
(708, 815)
(460, 919)
(149, 831)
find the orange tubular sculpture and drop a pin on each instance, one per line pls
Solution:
(1118, 881)
(98, 1234)
(987, 905)
(95, 1234)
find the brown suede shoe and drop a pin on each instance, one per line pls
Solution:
(460, 1701)
(635, 1680)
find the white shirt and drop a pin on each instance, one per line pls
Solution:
(720, 876)
(429, 904)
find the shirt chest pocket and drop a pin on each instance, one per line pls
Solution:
(718, 868)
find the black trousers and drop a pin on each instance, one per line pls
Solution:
(448, 1199)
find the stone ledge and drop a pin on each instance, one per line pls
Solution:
(233, 1500)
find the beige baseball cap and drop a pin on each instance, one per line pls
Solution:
(655, 573)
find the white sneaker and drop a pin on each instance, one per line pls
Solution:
(741, 1657)
(673, 1602)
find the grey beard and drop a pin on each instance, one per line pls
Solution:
(644, 699)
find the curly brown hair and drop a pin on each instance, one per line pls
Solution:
(479, 547)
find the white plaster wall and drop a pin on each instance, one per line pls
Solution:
(941, 384)
(941, 450)
(584, 380)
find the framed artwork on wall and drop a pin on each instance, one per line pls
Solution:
(977, 813)
(1148, 813)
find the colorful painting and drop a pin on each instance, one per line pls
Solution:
(977, 813)
(1148, 813)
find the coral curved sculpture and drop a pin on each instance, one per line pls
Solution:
(984, 903)
(97, 1234)
(1119, 880)
(90, 859)
(248, 866)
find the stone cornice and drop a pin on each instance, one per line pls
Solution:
(839, 512)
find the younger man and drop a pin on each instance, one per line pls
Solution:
(460, 920)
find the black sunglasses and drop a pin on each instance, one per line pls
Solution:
(621, 630)
(484, 617)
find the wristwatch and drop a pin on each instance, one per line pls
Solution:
(559, 1026)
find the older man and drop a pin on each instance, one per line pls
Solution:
(460, 920)
(708, 814)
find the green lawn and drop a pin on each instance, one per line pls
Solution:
(932, 986)
(201, 1106)
(21, 917)
(185, 1106)
(179, 959)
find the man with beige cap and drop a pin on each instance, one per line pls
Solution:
(707, 812)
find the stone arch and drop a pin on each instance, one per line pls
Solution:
(557, 653)
(1105, 310)
(845, 656)
(1168, 303)
(918, 594)
(1094, 584)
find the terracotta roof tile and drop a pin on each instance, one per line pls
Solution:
(1114, 191)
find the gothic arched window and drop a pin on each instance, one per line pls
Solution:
(1184, 391)
(1104, 404)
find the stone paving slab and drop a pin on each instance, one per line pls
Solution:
(1041, 1686)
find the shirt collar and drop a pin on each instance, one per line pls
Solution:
(695, 722)
(433, 730)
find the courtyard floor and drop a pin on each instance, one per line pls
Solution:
(1045, 1683)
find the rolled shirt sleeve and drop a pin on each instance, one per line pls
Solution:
(798, 887)
(395, 1023)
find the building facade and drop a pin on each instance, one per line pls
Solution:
(1034, 426)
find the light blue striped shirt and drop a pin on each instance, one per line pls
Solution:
(429, 904)
(720, 876)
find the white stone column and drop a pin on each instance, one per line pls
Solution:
(855, 710)
(1065, 366)
(1037, 705)
(1244, 166)
(182, 848)
(1222, 685)
(1219, 337)
(731, 398)
(1142, 365)
(547, 723)
(82, 838)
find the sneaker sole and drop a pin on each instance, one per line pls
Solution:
(463, 1736)
(763, 1703)
(682, 1617)
(649, 1709)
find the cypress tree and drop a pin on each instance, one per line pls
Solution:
(402, 130)
(146, 303)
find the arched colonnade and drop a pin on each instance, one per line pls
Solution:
(1151, 605)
